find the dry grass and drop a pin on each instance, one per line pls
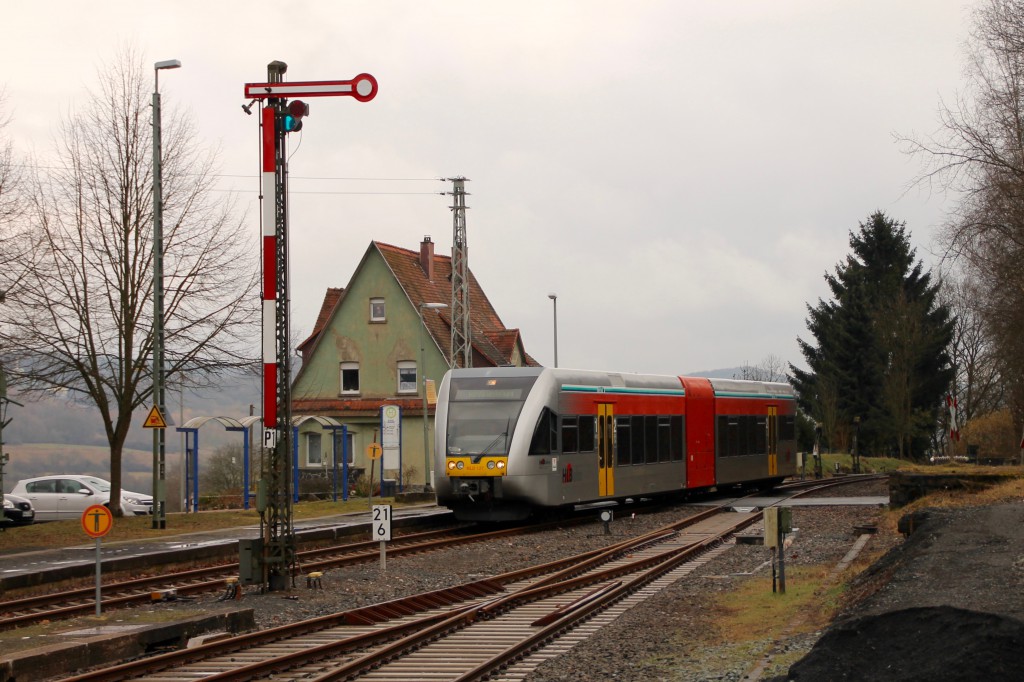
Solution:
(751, 611)
(1011, 490)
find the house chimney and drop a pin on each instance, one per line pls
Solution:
(427, 257)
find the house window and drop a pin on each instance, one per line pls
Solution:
(314, 455)
(407, 377)
(349, 378)
(377, 310)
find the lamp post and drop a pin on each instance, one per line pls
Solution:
(159, 455)
(423, 382)
(554, 306)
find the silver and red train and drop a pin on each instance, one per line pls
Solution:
(514, 441)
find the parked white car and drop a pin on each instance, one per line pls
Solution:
(66, 496)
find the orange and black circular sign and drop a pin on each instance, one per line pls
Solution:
(97, 521)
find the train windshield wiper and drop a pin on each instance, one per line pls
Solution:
(476, 457)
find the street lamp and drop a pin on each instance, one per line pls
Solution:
(159, 461)
(554, 305)
(423, 382)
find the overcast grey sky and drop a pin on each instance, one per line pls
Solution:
(681, 173)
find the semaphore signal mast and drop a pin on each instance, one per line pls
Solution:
(279, 117)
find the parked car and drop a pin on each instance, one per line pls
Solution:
(18, 510)
(66, 496)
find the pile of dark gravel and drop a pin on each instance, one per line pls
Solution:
(939, 644)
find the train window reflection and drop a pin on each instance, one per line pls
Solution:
(545, 435)
(622, 441)
(586, 433)
(570, 440)
(479, 428)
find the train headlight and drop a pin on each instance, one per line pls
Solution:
(460, 465)
(501, 464)
(451, 465)
(490, 465)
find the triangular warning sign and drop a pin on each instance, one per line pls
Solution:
(155, 420)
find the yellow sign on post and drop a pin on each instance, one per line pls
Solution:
(97, 521)
(374, 450)
(155, 420)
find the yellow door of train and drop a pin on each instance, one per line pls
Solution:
(773, 441)
(605, 450)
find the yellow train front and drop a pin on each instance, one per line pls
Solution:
(512, 441)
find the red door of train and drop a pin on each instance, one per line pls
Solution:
(700, 432)
(773, 441)
(605, 450)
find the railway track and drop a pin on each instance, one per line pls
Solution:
(475, 631)
(119, 594)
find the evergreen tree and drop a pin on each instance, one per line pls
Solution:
(881, 354)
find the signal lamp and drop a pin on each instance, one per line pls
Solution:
(292, 120)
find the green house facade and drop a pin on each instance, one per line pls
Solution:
(373, 344)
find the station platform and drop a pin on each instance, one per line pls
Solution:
(25, 569)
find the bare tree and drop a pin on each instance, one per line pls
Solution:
(222, 472)
(771, 368)
(979, 388)
(81, 318)
(9, 175)
(899, 327)
(978, 153)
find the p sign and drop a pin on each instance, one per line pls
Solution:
(381, 522)
(269, 438)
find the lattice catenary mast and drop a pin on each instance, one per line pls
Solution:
(462, 342)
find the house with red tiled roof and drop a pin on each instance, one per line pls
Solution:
(374, 343)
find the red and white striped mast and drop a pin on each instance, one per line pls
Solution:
(278, 118)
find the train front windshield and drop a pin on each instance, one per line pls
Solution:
(482, 413)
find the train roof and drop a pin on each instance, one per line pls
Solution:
(582, 377)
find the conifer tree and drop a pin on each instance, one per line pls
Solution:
(881, 347)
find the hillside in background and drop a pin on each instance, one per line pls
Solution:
(55, 436)
(41, 459)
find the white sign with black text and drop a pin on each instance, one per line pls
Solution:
(381, 522)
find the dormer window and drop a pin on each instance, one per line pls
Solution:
(377, 310)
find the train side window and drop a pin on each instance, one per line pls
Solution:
(678, 438)
(722, 436)
(622, 441)
(728, 436)
(570, 435)
(664, 439)
(636, 435)
(587, 431)
(746, 437)
(734, 436)
(761, 436)
(787, 428)
(650, 440)
(545, 434)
